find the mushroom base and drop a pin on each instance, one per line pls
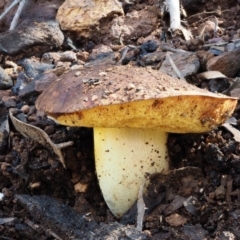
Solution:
(123, 158)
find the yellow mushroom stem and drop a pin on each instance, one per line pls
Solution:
(123, 158)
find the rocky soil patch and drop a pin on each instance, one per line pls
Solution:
(48, 183)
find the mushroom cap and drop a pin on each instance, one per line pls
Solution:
(134, 97)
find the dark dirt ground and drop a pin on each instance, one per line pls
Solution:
(213, 212)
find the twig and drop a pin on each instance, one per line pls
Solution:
(215, 27)
(37, 228)
(9, 8)
(121, 39)
(174, 50)
(179, 74)
(124, 52)
(206, 14)
(201, 35)
(17, 14)
(140, 208)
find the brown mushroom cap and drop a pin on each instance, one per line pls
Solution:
(127, 96)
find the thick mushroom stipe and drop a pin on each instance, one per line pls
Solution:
(131, 110)
(124, 158)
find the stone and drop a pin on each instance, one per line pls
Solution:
(186, 62)
(220, 192)
(54, 57)
(33, 10)
(45, 81)
(33, 68)
(227, 63)
(21, 82)
(50, 57)
(103, 55)
(83, 56)
(176, 220)
(5, 80)
(9, 101)
(99, 51)
(85, 16)
(203, 57)
(4, 133)
(132, 26)
(28, 90)
(195, 232)
(25, 108)
(68, 56)
(153, 58)
(31, 33)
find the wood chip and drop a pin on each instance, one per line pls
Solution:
(233, 130)
(176, 220)
(6, 220)
(211, 75)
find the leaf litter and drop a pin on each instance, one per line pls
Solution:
(39, 136)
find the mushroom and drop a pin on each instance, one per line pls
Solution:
(132, 110)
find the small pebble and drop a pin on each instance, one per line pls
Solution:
(50, 129)
(130, 86)
(35, 185)
(32, 109)
(1, 196)
(82, 56)
(80, 187)
(76, 67)
(32, 118)
(68, 56)
(78, 73)
(75, 177)
(25, 109)
(6, 192)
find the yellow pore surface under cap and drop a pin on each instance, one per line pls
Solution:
(178, 114)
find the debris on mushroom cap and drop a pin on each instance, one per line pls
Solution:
(125, 95)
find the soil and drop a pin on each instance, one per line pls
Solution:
(198, 199)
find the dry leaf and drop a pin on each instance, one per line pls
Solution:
(39, 136)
